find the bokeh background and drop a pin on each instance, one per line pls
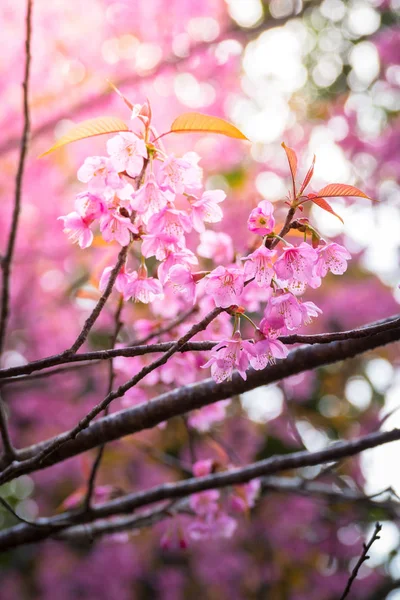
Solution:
(322, 76)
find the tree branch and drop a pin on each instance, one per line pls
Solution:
(6, 263)
(364, 556)
(6, 375)
(182, 400)
(22, 534)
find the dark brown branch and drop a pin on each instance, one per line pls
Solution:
(182, 400)
(49, 450)
(165, 329)
(9, 452)
(6, 263)
(130, 351)
(170, 491)
(90, 321)
(364, 556)
(111, 377)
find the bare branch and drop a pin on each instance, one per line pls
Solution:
(139, 350)
(364, 556)
(90, 321)
(6, 262)
(111, 377)
(181, 401)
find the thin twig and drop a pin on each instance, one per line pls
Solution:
(364, 556)
(6, 263)
(366, 331)
(90, 321)
(165, 329)
(111, 377)
(8, 448)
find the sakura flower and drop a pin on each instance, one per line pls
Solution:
(202, 467)
(90, 206)
(216, 245)
(171, 221)
(159, 245)
(332, 257)
(183, 256)
(309, 311)
(265, 352)
(205, 503)
(215, 526)
(203, 419)
(182, 282)
(121, 283)
(99, 173)
(150, 199)
(259, 265)
(114, 226)
(283, 312)
(181, 174)
(142, 288)
(127, 152)
(229, 355)
(245, 495)
(206, 209)
(297, 264)
(225, 285)
(261, 220)
(77, 229)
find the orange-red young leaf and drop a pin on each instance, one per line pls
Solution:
(325, 205)
(87, 129)
(307, 178)
(292, 160)
(334, 190)
(197, 122)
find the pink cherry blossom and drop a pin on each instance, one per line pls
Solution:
(225, 284)
(142, 288)
(283, 312)
(261, 220)
(181, 174)
(309, 311)
(297, 264)
(98, 172)
(220, 525)
(171, 221)
(259, 265)
(180, 278)
(159, 245)
(332, 257)
(203, 419)
(205, 503)
(114, 226)
(245, 495)
(206, 209)
(229, 355)
(121, 283)
(216, 245)
(127, 152)
(183, 256)
(90, 206)
(202, 467)
(265, 352)
(150, 199)
(77, 229)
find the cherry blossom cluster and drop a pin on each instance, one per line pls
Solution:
(139, 194)
(212, 511)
